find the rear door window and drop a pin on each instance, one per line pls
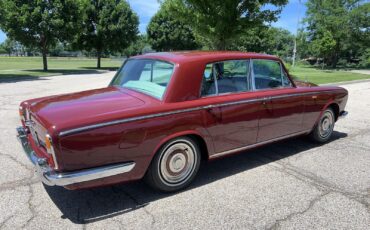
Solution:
(226, 77)
(269, 74)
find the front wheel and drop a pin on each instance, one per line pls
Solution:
(175, 165)
(324, 128)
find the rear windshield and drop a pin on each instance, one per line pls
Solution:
(144, 75)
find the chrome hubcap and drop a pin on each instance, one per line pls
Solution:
(177, 163)
(326, 124)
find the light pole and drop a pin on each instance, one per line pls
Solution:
(296, 34)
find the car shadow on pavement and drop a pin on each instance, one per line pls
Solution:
(90, 205)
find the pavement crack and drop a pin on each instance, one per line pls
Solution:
(19, 183)
(30, 207)
(17, 161)
(2, 224)
(312, 202)
(318, 182)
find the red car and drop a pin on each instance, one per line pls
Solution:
(164, 112)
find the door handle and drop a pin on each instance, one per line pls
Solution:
(208, 107)
(265, 100)
(214, 111)
(267, 104)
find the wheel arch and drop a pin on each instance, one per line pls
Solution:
(335, 108)
(193, 134)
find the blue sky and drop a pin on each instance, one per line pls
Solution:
(147, 8)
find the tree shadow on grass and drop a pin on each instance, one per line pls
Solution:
(103, 68)
(91, 205)
(37, 74)
(14, 78)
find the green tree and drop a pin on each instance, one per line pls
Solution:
(2, 50)
(324, 46)
(220, 22)
(39, 24)
(108, 26)
(136, 47)
(280, 42)
(331, 27)
(358, 43)
(270, 40)
(8, 46)
(303, 50)
(166, 32)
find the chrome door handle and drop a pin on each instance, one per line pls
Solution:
(208, 106)
(265, 100)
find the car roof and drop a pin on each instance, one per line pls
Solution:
(207, 56)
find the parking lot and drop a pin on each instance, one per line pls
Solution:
(293, 184)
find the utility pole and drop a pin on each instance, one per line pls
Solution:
(296, 35)
(294, 49)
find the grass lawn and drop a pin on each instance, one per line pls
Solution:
(25, 68)
(31, 67)
(319, 76)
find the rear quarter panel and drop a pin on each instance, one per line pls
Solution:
(134, 141)
(315, 104)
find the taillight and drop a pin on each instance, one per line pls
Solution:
(48, 144)
(22, 113)
(50, 149)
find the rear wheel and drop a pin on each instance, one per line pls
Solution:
(324, 128)
(175, 165)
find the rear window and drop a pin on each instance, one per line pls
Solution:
(144, 75)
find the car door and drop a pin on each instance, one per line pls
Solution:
(232, 113)
(282, 107)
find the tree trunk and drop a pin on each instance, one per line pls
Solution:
(221, 45)
(44, 60)
(98, 61)
(44, 51)
(335, 60)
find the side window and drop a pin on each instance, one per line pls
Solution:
(208, 83)
(286, 80)
(226, 77)
(267, 74)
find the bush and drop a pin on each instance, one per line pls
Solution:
(303, 63)
(288, 66)
(365, 59)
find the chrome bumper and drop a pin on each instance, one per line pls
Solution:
(343, 114)
(51, 177)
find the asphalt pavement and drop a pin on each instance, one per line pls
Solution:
(293, 184)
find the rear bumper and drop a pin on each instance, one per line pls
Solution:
(343, 114)
(51, 177)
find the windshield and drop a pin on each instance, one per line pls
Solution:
(145, 75)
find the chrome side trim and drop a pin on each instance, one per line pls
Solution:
(216, 155)
(89, 127)
(115, 122)
(51, 177)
